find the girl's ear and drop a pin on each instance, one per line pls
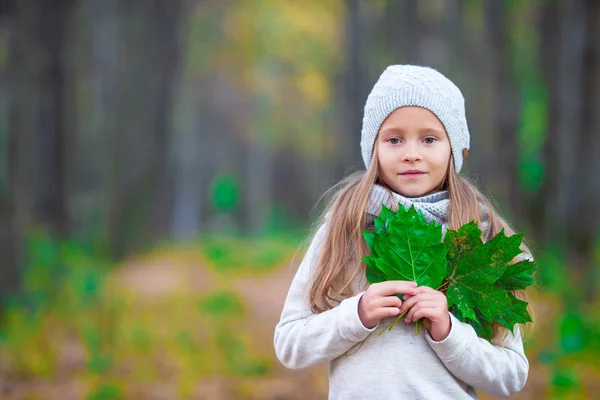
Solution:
(465, 154)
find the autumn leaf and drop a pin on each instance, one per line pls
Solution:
(517, 276)
(405, 247)
(477, 277)
(480, 279)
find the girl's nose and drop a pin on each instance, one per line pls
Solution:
(411, 153)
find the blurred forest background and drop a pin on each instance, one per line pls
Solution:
(159, 162)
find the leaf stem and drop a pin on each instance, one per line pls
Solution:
(443, 286)
(390, 326)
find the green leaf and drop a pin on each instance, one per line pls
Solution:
(382, 220)
(374, 275)
(466, 250)
(369, 238)
(405, 247)
(517, 276)
(480, 279)
(482, 327)
(514, 313)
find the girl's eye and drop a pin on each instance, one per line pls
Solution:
(430, 140)
(394, 140)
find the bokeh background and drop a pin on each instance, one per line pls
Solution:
(160, 163)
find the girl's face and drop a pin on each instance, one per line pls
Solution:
(413, 151)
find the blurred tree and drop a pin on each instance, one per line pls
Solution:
(589, 221)
(353, 88)
(202, 144)
(129, 60)
(74, 151)
(570, 190)
(141, 181)
(505, 104)
(565, 50)
(120, 115)
(38, 122)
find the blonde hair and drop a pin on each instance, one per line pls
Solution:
(343, 246)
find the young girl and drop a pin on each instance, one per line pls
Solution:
(414, 141)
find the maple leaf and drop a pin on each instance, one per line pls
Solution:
(477, 277)
(405, 247)
(480, 279)
(517, 276)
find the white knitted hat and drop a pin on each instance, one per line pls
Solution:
(411, 85)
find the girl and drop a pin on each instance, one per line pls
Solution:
(414, 141)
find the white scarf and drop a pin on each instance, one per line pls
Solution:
(433, 206)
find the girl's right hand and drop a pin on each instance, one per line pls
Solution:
(379, 301)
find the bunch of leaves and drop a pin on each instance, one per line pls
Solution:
(405, 247)
(478, 278)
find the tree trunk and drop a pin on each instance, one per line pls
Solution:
(352, 92)
(564, 141)
(504, 108)
(257, 179)
(37, 122)
(51, 135)
(148, 60)
(587, 216)
(191, 157)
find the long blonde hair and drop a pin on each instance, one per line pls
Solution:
(343, 246)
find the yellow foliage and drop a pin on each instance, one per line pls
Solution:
(288, 51)
(315, 88)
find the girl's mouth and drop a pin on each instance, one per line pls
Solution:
(412, 174)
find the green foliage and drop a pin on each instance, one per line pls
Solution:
(222, 304)
(282, 223)
(477, 277)
(61, 279)
(225, 192)
(524, 43)
(74, 300)
(233, 348)
(573, 333)
(568, 339)
(553, 277)
(574, 350)
(405, 247)
(480, 279)
(106, 391)
(229, 254)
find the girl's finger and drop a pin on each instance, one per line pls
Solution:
(390, 301)
(410, 316)
(426, 312)
(410, 302)
(426, 289)
(420, 296)
(389, 288)
(387, 312)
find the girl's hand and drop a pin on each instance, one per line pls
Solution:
(431, 304)
(379, 301)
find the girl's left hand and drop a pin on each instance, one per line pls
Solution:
(431, 304)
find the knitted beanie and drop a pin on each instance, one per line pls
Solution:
(411, 85)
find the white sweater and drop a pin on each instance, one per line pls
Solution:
(397, 364)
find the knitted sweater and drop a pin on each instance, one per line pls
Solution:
(397, 364)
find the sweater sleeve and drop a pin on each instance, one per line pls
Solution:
(303, 338)
(497, 370)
